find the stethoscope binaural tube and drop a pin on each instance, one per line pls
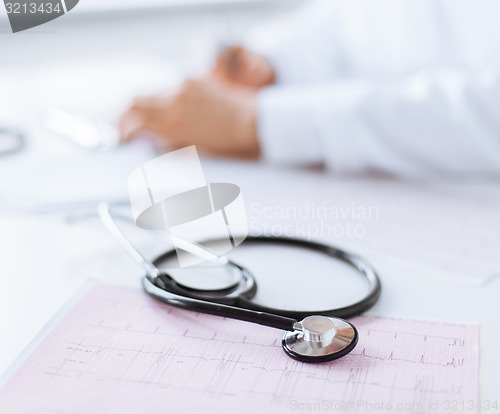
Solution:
(311, 336)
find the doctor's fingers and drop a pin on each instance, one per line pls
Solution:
(142, 114)
(243, 66)
(137, 123)
(160, 132)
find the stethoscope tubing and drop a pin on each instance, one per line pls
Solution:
(218, 309)
(346, 312)
(237, 303)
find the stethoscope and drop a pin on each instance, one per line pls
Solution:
(311, 336)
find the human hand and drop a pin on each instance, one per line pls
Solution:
(244, 67)
(218, 119)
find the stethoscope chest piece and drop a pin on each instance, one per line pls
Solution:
(320, 338)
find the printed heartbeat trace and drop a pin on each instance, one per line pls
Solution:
(119, 351)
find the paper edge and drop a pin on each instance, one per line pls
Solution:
(45, 331)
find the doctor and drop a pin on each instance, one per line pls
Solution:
(409, 87)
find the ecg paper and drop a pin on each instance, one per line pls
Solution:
(119, 351)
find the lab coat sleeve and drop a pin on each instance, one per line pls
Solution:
(302, 46)
(432, 123)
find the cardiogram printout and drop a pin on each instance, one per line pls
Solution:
(119, 351)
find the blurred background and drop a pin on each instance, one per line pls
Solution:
(129, 46)
(95, 59)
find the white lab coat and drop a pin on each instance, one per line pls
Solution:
(410, 87)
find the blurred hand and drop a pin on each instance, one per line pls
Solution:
(244, 67)
(217, 118)
(217, 113)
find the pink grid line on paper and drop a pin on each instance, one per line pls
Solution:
(118, 351)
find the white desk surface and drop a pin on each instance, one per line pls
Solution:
(44, 261)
